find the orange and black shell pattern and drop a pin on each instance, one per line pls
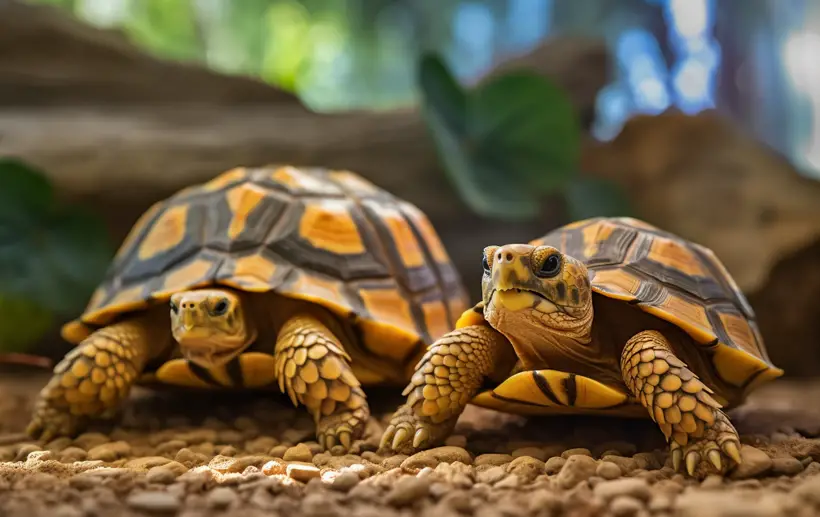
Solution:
(676, 280)
(325, 236)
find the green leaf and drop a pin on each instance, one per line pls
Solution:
(51, 256)
(530, 124)
(594, 197)
(23, 322)
(503, 144)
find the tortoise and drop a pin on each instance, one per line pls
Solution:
(607, 315)
(311, 279)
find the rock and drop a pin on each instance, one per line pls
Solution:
(279, 451)
(432, 457)
(608, 470)
(533, 452)
(627, 465)
(491, 475)
(197, 436)
(90, 440)
(345, 481)
(299, 452)
(223, 464)
(633, 487)
(456, 440)
(625, 506)
(509, 482)
(302, 472)
(153, 502)
(493, 459)
(575, 452)
(190, 458)
(622, 448)
(754, 462)
(647, 461)
(545, 502)
(161, 475)
(392, 462)
(578, 468)
(146, 463)
(171, 447)
(228, 450)
(703, 503)
(554, 465)
(109, 451)
(319, 505)
(72, 454)
(712, 482)
(23, 450)
(407, 490)
(221, 497)
(808, 490)
(787, 466)
(526, 468)
(274, 467)
(261, 445)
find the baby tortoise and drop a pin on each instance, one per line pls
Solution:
(606, 316)
(313, 280)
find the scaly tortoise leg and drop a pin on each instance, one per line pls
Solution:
(314, 370)
(94, 378)
(446, 379)
(692, 421)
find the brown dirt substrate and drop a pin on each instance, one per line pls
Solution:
(222, 454)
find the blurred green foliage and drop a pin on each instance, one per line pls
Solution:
(52, 256)
(509, 142)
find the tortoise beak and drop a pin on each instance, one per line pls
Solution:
(188, 320)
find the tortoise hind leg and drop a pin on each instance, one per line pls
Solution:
(314, 370)
(94, 378)
(679, 402)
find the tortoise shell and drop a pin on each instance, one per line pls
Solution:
(329, 237)
(676, 280)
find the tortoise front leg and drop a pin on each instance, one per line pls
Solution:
(694, 425)
(446, 379)
(314, 369)
(94, 378)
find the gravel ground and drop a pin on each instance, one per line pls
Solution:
(188, 455)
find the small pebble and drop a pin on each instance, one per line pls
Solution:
(72, 454)
(153, 502)
(754, 462)
(712, 482)
(161, 475)
(279, 451)
(533, 452)
(608, 470)
(578, 468)
(554, 465)
(575, 452)
(302, 472)
(786, 466)
(456, 440)
(90, 440)
(493, 459)
(526, 468)
(407, 490)
(221, 497)
(432, 457)
(633, 487)
(345, 481)
(299, 452)
(261, 445)
(625, 506)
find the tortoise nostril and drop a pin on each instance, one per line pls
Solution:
(509, 257)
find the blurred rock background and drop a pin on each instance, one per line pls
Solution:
(699, 116)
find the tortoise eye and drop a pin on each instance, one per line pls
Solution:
(550, 267)
(174, 308)
(220, 308)
(485, 263)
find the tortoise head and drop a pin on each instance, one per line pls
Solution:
(210, 326)
(530, 289)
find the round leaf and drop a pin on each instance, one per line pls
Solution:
(594, 197)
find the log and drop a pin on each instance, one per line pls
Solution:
(706, 180)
